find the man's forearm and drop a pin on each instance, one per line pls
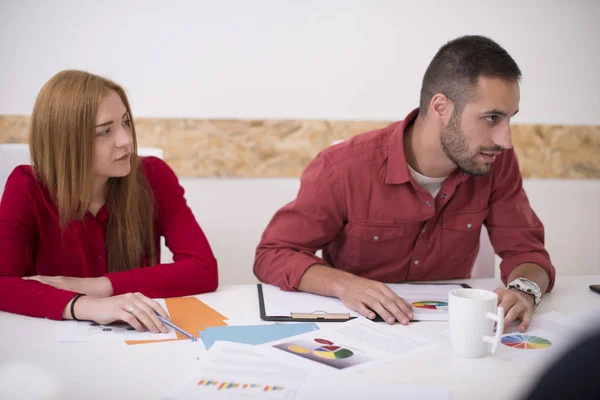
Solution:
(534, 273)
(323, 280)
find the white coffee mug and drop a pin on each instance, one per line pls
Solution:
(472, 313)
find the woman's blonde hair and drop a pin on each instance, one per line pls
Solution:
(61, 142)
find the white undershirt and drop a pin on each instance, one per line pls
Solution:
(432, 185)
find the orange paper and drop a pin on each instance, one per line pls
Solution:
(191, 315)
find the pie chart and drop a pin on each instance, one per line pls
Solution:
(330, 354)
(431, 305)
(526, 342)
(328, 350)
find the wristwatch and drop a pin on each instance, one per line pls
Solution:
(529, 287)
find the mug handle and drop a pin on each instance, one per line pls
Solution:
(499, 318)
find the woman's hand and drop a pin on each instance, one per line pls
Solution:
(135, 309)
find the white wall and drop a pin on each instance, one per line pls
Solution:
(338, 59)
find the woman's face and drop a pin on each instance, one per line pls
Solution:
(113, 143)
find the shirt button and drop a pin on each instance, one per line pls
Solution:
(443, 195)
(423, 230)
(469, 225)
(416, 262)
(428, 203)
(375, 238)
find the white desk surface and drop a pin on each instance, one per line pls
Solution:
(33, 365)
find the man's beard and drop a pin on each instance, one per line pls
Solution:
(456, 148)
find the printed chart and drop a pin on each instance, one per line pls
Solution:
(323, 351)
(430, 305)
(525, 342)
(328, 350)
(229, 385)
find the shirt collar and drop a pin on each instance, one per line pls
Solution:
(397, 168)
(397, 171)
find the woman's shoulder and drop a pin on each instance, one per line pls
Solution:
(24, 185)
(22, 176)
(153, 166)
(158, 173)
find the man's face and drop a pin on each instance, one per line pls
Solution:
(473, 139)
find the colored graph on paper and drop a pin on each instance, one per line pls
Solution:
(239, 386)
(430, 305)
(323, 351)
(525, 342)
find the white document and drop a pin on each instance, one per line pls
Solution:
(548, 335)
(352, 346)
(239, 371)
(235, 370)
(430, 302)
(88, 331)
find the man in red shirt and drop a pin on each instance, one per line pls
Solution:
(407, 202)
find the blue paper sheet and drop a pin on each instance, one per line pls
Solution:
(254, 334)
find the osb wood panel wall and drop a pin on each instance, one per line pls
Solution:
(283, 148)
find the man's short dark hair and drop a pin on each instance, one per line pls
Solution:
(458, 65)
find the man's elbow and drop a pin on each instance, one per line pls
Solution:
(263, 266)
(260, 268)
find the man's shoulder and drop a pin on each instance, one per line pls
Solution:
(370, 145)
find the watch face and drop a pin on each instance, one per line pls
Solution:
(524, 283)
(528, 287)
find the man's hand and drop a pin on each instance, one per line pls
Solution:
(517, 305)
(365, 296)
(96, 287)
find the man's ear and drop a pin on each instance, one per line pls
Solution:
(441, 108)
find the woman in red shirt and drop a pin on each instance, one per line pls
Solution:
(80, 229)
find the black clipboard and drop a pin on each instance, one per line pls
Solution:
(324, 316)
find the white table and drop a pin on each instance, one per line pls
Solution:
(33, 365)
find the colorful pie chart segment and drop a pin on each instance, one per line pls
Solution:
(299, 350)
(333, 355)
(525, 342)
(327, 350)
(431, 305)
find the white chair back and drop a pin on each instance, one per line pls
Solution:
(11, 156)
(151, 151)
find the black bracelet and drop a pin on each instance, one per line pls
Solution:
(77, 296)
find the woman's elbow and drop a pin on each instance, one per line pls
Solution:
(211, 278)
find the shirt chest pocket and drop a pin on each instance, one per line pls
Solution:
(461, 235)
(464, 222)
(370, 245)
